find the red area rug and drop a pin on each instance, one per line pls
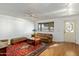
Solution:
(21, 49)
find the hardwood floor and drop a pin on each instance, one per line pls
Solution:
(61, 49)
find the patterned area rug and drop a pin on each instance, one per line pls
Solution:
(23, 49)
(39, 50)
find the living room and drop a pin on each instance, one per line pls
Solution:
(30, 28)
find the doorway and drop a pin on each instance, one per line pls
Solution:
(69, 31)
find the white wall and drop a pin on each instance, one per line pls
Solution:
(58, 32)
(58, 28)
(11, 27)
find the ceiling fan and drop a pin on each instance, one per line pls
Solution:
(30, 13)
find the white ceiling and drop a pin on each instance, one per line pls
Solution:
(38, 10)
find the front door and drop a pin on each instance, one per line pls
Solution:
(69, 31)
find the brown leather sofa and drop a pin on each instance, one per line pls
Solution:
(47, 38)
(18, 40)
(24, 39)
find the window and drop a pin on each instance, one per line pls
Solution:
(47, 26)
(69, 27)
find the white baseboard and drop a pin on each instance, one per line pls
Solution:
(77, 42)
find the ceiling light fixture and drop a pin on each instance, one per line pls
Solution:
(69, 8)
